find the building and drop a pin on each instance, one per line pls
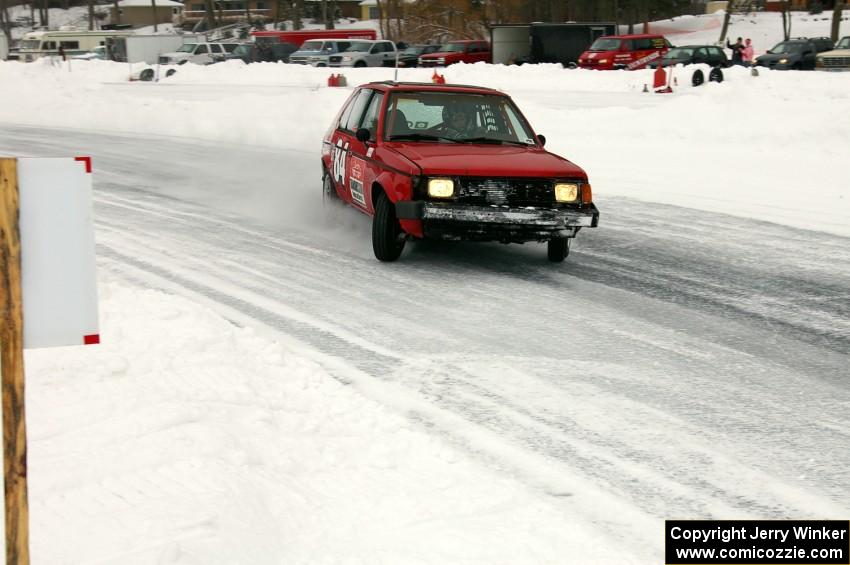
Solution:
(139, 13)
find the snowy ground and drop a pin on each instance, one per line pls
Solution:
(267, 393)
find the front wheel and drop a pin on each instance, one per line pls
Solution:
(558, 249)
(387, 237)
(360, 64)
(329, 195)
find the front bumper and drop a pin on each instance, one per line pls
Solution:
(446, 220)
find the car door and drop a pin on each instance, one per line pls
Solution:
(201, 54)
(375, 58)
(809, 55)
(483, 52)
(345, 147)
(389, 54)
(363, 169)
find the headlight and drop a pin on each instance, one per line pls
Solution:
(441, 60)
(346, 58)
(783, 61)
(441, 188)
(566, 192)
(603, 61)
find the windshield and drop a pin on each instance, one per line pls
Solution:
(187, 48)
(242, 50)
(450, 117)
(454, 48)
(360, 46)
(312, 46)
(843, 44)
(787, 48)
(413, 51)
(680, 53)
(605, 44)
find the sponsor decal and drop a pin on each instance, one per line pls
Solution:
(355, 181)
(643, 61)
(339, 155)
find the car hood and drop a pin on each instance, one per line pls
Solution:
(776, 57)
(440, 54)
(308, 53)
(835, 53)
(486, 160)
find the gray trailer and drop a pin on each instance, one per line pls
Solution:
(544, 43)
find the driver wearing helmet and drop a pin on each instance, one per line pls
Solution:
(458, 120)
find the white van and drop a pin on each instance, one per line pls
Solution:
(36, 44)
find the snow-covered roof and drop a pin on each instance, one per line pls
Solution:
(159, 3)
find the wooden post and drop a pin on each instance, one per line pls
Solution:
(12, 365)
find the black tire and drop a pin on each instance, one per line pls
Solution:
(698, 78)
(329, 194)
(170, 72)
(387, 239)
(360, 64)
(146, 75)
(558, 249)
(716, 75)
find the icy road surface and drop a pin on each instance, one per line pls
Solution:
(680, 364)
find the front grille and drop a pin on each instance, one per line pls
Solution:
(163, 60)
(298, 60)
(506, 192)
(336, 58)
(836, 62)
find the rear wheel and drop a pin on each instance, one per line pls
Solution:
(146, 75)
(387, 237)
(360, 64)
(558, 249)
(716, 75)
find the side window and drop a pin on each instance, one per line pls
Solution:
(376, 48)
(483, 47)
(387, 47)
(201, 50)
(215, 48)
(229, 47)
(357, 108)
(341, 46)
(70, 44)
(642, 44)
(628, 45)
(370, 118)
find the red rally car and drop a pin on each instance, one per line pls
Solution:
(451, 162)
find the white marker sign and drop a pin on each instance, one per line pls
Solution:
(59, 283)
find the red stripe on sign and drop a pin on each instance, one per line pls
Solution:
(86, 160)
(91, 339)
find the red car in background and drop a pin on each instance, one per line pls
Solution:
(466, 51)
(630, 52)
(451, 162)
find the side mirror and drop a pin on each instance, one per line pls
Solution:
(542, 139)
(363, 135)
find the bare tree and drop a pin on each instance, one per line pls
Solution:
(209, 14)
(91, 14)
(117, 12)
(153, 11)
(786, 19)
(298, 11)
(836, 19)
(4, 20)
(381, 14)
(45, 14)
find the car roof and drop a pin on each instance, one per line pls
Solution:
(632, 36)
(693, 46)
(390, 86)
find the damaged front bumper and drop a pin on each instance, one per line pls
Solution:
(446, 220)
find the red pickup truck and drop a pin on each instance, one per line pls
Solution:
(466, 51)
(451, 162)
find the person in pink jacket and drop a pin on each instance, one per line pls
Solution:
(747, 52)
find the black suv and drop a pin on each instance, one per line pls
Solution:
(798, 53)
(263, 52)
(690, 54)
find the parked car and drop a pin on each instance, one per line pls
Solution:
(317, 52)
(366, 54)
(624, 52)
(467, 51)
(262, 52)
(451, 162)
(693, 54)
(409, 57)
(200, 53)
(798, 54)
(836, 60)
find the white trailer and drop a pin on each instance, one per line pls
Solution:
(144, 48)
